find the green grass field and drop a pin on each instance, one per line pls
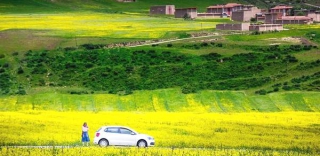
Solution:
(111, 6)
(167, 100)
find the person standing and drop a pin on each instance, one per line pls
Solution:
(85, 135)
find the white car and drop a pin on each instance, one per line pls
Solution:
(122, 136)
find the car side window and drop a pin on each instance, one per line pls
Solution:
(125, 131)
(112, 130)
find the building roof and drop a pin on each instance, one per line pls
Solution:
(263, 25)
(216, 6)
(205, 13)
(281, 7)
(231, 5)
(186, 8)
(228, 5)
(295, 18)
(273, 13)
(161, 5)
(248, 9)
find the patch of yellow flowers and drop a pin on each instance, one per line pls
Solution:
(99, 25)
(303, 26)
(216, 132)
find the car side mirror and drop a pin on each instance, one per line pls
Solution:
(132, 133)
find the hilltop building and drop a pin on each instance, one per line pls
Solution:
(225, 9)
(162, 9)
(245, 15)
(209, 15)
(315, 15)
(277, 18)
(293, 20)
(249, 27)
(236, 26)
(271, 17)
(261, 16)
(186, 12)
(283, 9)
(266, 27)
(279, 14)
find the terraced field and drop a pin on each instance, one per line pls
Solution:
(167, 100)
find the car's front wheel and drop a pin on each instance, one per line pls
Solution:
(142, 143)
(103, 143)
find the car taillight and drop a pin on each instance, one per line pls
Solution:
(97, 134)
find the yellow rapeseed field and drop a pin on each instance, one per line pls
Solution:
(216, 132)
(155, 151)
(99, 25)
(304, 26)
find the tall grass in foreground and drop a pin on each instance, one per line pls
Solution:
(96, 151)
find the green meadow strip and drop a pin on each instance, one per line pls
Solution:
(166, 100)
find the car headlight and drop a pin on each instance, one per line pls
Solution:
(150, 138)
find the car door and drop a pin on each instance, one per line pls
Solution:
(127, 137)
(112, 135)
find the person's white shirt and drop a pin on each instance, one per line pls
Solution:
(85, 129)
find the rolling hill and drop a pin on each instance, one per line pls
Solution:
(254, 64)
(92, 68)
(141, 6)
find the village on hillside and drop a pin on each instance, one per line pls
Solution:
(261, 19)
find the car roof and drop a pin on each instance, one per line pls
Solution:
(103, 127)
(116, 126)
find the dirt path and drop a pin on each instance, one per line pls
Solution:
(182, 39)
(173, 40)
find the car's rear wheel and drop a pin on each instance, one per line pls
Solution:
(103, 143)
(142, 143)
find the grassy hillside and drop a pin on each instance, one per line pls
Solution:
(231, 64)
(67, 52)
(297, 4)
(111, 6)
